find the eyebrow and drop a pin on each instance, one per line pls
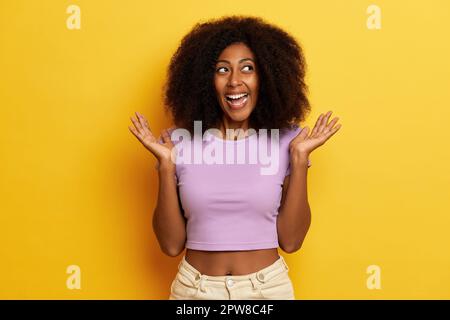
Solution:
(226, 61)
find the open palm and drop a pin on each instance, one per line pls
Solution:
(161, 150)
(321, 132)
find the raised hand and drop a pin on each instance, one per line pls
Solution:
(304, 144)
(141, 130)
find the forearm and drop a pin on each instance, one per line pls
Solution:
(169, 223)
(294, 217)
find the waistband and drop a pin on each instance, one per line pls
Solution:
(266, 274)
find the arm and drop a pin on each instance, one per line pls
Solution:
(294, 217)
(169, 223)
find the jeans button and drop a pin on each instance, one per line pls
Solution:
(261, 276)
(230, 282)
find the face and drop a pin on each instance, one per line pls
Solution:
(236, 82)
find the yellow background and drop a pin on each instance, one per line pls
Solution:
(77, 188)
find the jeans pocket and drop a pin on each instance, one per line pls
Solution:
(182, 289)
(278, 288)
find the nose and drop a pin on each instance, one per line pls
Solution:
(234, 79)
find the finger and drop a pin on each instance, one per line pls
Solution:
(333, 131)
(325, 119)
(316, 127)
(142, 119)
(144, 124)
(324, 122)
(137, 125)
(166, 136)
(304, 133)
(135, 132)
(331, 125)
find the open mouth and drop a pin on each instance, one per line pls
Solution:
(237, 101)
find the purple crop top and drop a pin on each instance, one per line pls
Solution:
(232, 206)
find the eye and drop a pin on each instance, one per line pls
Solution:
(247, 66)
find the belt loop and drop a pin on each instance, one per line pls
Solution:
(284, 262)
(254, 282)
(179, 264)
(203, 279)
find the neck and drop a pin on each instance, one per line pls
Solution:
(234, 125)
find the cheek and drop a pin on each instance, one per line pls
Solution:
(255, 85)
(219, 87)
(217, 83)
(255, 90)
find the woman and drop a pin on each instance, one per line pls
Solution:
(244, 74)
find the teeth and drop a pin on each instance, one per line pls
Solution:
(236, 96)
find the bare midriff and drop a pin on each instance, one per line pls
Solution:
(222, 263)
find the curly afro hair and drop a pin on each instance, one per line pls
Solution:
(189, 92)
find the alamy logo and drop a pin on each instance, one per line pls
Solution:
(74, 20)
(374, 280)
(374, 20)
(258, 149)
(74, 280)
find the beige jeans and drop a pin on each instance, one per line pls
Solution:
(272, 282)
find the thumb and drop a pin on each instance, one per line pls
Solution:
(303, 133)
(166, 137)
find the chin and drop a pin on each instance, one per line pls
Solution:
(238, 117)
